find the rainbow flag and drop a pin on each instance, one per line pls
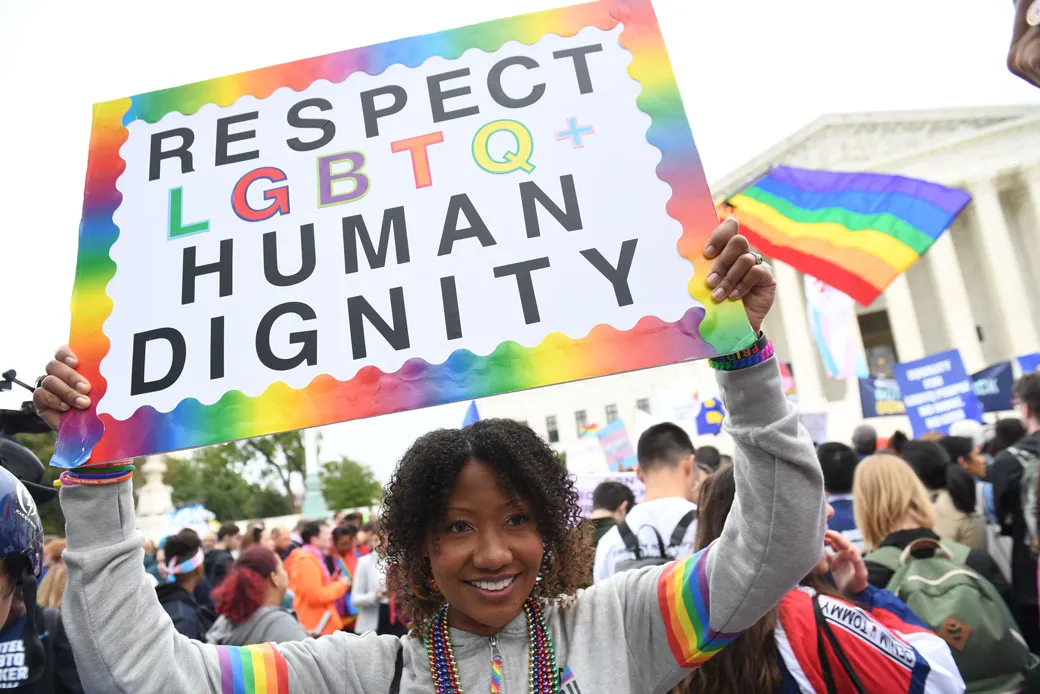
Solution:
(855, 231)
(588, 430)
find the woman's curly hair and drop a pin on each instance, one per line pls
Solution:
(417, 497)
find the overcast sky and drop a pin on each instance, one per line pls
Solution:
(751, 72)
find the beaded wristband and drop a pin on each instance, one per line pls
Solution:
(741, 359)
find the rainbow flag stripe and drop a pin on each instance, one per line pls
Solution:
(252, 670)
(87, 436)
(682, 591)
(496, 675)
(854, 231)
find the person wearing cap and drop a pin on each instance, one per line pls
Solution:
(35, 655)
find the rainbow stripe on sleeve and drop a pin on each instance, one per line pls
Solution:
(682, 591)
(252, 670)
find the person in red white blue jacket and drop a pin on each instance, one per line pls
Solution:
(835, 633)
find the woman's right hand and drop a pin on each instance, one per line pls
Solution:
(62, 389)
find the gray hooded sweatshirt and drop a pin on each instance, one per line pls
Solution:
(268, 624)
(640, 631)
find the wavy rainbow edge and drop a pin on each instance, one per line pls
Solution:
(89, 437)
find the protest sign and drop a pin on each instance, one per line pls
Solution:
(586, 485)
(879, 397)
(617, 447)
(440, 218)
(994, 386)
(710, 416)
(1029, 363)
(937, 392)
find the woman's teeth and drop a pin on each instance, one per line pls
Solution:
(494, 586)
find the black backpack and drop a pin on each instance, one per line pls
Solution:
(632, 544)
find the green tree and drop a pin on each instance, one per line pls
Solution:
(349, 484)
(215, 477)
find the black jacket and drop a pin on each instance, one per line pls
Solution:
(1006, 475)
(979, 561)
(188, 617)
(217, 564)
(60, 675)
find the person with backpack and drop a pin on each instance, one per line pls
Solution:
(663, 526)
(184, 567)
(832, 634)
(1015, 473)
(958, 592)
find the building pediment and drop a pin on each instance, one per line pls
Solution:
(849, 141)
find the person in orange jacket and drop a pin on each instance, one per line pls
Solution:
(315, 590)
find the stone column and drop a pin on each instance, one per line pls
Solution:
(902, 318)
(791, 293)
(154, 498)
(999, 254)
(952, 299)
(314, 506)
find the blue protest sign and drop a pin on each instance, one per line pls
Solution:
(711, 416)
(994, 386)
(1029, 363)
(937, 392)
(879, 397)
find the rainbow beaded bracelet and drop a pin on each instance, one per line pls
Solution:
(742, 359)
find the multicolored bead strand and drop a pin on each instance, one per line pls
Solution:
(543, 678)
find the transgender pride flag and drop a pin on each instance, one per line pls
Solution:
(830, 313)
(617, 447)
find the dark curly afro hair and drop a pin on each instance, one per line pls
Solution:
(416, 503)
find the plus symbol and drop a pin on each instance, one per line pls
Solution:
(575, 133)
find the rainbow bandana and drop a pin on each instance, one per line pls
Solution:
(174, 568)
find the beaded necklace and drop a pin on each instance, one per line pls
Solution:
(543, 676)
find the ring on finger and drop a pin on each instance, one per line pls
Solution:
(758, 258)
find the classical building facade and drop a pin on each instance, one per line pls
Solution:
(975, 290)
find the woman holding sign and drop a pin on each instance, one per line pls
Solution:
(483, 544)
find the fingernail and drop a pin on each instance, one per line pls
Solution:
(719, 294)
(83, 387)
(712, 280)
(733, 218)
(71, 361)
(709, 251)
(734, 294)
(64, 406)
(82, 402)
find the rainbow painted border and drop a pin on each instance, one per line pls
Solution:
(87, 437)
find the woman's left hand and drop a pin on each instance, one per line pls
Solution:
(847, 565)
(739, 273)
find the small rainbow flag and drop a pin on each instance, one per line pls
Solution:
(854, 231)
(588, 430)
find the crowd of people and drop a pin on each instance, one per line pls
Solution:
(786, 567)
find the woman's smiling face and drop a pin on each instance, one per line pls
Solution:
(486, 553)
